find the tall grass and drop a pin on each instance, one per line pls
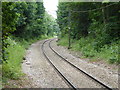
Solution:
(11, 68)
(87, 46)
(63, 41)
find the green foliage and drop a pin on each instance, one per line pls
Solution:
(31, 19)
(22, 24)
(15, 53)
(9, 17)
(86, 46)
(11, 69)
(63, 41)
(98, 23)
(108, 53)
(92, 29)
(24, 20)
(50, 25)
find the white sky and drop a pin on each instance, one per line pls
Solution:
(51, 7)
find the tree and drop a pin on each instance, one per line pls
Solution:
(50, 25)
(90, 19)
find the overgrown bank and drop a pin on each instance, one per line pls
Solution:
(11, 69)
(22, 24)
(108, 53)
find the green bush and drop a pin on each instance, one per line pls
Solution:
(88, 47)
(12, 67)
(63, 41)
(110, 53)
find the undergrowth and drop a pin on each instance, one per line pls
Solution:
(87, 46)
(14, 54)
(11, 68)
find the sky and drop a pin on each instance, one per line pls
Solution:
(51, 7)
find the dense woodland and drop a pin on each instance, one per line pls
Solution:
(25, 19)
(22, 24)
(93, 26)
(93, 30)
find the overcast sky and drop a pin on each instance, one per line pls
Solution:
(51, 7)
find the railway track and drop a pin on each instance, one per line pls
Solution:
(69, 83)
(78, 69)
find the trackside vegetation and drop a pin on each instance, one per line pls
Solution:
(108, 53)
(94, 28)
(23, 23)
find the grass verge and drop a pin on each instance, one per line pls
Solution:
(11, 68)
(87, 47)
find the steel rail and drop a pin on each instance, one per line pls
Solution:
(84, 72)
(70, 84)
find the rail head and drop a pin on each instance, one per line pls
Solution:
(84, 72)
(50, 61)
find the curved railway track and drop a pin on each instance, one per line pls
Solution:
(60, 73)
(69, 83)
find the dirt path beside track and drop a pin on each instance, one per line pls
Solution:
(39, 70)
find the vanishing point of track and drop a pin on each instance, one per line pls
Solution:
(59, 73)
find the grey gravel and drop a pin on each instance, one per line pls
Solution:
(78, 79)
(107, 76)
(43, 75)
(39, 70)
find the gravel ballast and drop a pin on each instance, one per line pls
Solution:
(39, 70)
(107, 76)
(43, 75)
